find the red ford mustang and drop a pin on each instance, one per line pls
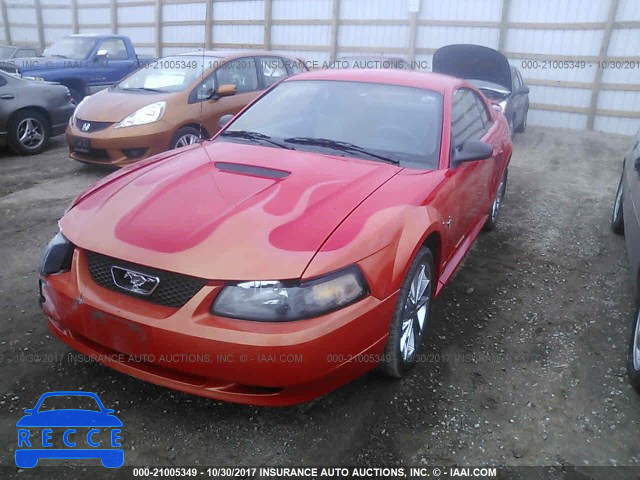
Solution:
(296, 250)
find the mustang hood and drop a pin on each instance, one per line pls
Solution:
(473, 62)
(112, 106)
(224, 211)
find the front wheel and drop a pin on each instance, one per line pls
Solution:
(186, 136)
(633, 369)
(410, 316)
(28, 132)
(617, 219)
(523, 125)
(492, 221)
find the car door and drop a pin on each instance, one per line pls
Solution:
(113, 60)
(7, 103)
(241, 72)
(475, 182)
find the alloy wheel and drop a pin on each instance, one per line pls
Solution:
(415, 312)
(188, 139)
(495, 208)
(30, 133)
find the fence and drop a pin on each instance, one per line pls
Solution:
(579, 57)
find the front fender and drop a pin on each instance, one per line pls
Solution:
(383, 241)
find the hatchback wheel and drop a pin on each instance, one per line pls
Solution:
(187, 136)
(634, 353)
(617, 219)
(410, 316)
(28, 132)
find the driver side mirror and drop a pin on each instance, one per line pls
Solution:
(471, 151)
(226, 90)
(524, 90)
(29, 411)
(102, 54)
(224, 120)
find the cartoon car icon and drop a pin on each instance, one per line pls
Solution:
(83, 432)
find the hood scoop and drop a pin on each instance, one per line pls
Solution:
(252, 170)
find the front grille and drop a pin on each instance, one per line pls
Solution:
(173, 290)
(93, 126)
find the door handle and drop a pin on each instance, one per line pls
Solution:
(6, 96)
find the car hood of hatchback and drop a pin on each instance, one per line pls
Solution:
(224, 211)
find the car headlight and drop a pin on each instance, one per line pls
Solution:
(282, 301)
(57, 255)
(503, 105)
(149, 114)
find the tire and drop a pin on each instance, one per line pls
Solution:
(494, 210)
(187, 136)
(617, 217)
(28, 132)
(523, 125)
(400, 350)
(633, 368)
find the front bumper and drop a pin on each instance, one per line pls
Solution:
(189, 349)
(121, 146)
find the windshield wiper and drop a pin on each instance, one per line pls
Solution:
(144, 89)
(59, 56)
(254, 136)
(337, 145)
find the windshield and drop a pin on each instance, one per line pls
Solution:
(169, 74)
(5, 52)
(401, 124)
(75, 48)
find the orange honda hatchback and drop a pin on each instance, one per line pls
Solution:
(173, 102)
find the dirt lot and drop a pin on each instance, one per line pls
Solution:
(526, 349)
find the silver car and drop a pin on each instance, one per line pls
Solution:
(32, 111)
(625, 219)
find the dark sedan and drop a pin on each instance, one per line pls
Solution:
(626, 219)
(32, 111)
(488, 70)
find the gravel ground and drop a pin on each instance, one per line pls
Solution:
(524, 360)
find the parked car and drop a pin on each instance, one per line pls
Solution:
(625, 219)
(372, 62)
(84, 63)
(488, 70)
(174, 102)
(31, 112)
(300, 248)
(12, 51)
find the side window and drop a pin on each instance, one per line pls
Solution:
(273, 70)
(3, 81)
(520, 79)
(466, 120)
(515, 79)
(116, 49)
(23, 53)
(484, 113)
(204, 90)
(241, 72)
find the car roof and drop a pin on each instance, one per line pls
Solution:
(428, 81)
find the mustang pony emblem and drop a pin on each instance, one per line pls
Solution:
(132, 281)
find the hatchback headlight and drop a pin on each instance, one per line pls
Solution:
(281, 301)
(149, 114)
